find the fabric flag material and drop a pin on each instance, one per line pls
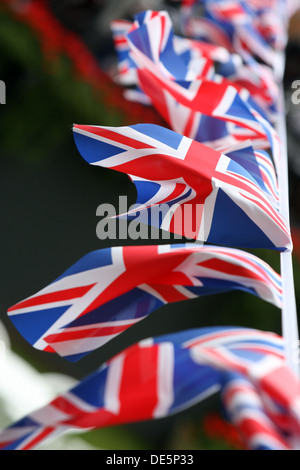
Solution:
(238, 18)
(259, 164)
(259, 24)
(126, 70)
(185, 59)
(244, 408)
(229, 205)
(183, 102)
(109, 290)
(183, 105)
(251, 30)
(162, 376)
(179, 58)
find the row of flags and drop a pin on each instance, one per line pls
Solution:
(185, 94)
(160, 376)
(109, 290)
(237, 206)
(212, 172)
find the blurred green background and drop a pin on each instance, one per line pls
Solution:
(49, 197)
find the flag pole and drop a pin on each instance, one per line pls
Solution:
(289, 319)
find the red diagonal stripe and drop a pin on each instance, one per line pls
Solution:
(115, 137)
(42, 435)
(230, 268)
(67, 294)
(85, 333)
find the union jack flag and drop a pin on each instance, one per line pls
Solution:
(126, 68)
(259, 164)
(252, 29)
(239, 17)
(230, 207)
(187, 59)
(178, 58)
(184, 59)
(260, 25)
(161, 376)
(245, 409)
(109, 290)
(182, 102)
(246, 72)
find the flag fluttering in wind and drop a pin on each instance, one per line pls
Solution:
(227, 197)
(258, 25)
(183, 93)
(109, 290)
(161, 376)
(181, 58)
(208, 178)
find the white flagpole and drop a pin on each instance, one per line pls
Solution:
(289, 320)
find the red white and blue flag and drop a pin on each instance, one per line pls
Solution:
(261, 25)
(179, 58)
(109, 290)
(159, 377)
(229, 202)
(223, 193)
(182, 102)
(259, 164)
(186, 59)
(126, 70)
(245, 409)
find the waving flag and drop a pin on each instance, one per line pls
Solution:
(259, 164)
(178, 58)
(182, 105)
(162, 376)
(182, 97)
(181, 58)
(109, 290)
(182, 102)
(259, 24)
(245, 410)
(251, 30)
(224, 192)
(126, 68)
(239, 17)
(229, 206)
(193, 58)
